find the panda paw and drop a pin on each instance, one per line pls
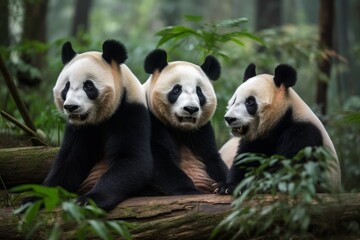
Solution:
(224, 188)
(82, 201)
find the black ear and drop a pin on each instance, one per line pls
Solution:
(211, 67)
(155, 60)
(285, 75)
(249, 72)
(67, 53)
(114, 50)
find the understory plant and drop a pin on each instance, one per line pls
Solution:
(291, 196)
(55, 215)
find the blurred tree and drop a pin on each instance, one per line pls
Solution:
(268, 14)
(81, 16)
(326, 45)
(33, 38)
(4, 23)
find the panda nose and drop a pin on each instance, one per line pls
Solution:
(71, 108)
(230, 120)
(191, 109)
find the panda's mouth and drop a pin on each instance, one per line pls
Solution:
(186, 119)
(239, 130)
(78, 117)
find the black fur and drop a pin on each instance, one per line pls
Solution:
(285, 75)
(211, 67)
(65, 90)
(174, 94)
(169, 179)
(91, 91)
(67, 53)
(287, 138)
(114, 50)
(202, 98)
(123, 140)
(155, 60)
(249, 72)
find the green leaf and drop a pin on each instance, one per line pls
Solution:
(192, 18)
(32, 212)
(100, 228)
(120, 228)
(55, 232)
(75, 211)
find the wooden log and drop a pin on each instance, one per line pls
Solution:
(25, 165)
(194, 217)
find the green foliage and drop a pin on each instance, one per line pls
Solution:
(61, 217)
(293, 186)
(206, 38)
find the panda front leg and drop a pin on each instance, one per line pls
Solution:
(80, 151)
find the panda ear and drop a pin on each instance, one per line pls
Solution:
(285, 75)
(155, 60)
(249, 72)
(211, 67)
(67, 53)
(114, 50)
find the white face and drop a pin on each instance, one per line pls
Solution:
(182, 96)
(246, 110)
(83, 88)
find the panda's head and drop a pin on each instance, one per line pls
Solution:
(180, 93)
(87, 90)
(260, 101)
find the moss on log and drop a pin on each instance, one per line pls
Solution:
(25, 165)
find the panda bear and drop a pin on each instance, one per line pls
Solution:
(266, 116)
(107, 119)
(181, 100)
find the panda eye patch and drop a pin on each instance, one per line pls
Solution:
(65, 90)
(177, 89)
(91, 91)
(174, 94)
(88, 85)
(251, 105)
(250, 101)
(201, 96)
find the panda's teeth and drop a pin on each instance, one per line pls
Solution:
(187, 119)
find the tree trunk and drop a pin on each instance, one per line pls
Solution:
(194, 217)
(325, 43)
(81, 16)
(34, 29)
(4, 23)
(268, 14)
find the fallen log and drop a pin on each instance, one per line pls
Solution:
(194, 217)
(25, 165)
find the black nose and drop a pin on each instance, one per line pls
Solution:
(230, 120)
(71, 108)
(190, 109)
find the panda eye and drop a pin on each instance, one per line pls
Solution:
(250, 101)
(88, 85)
(177, 89)
(199, 92)
(67, 86)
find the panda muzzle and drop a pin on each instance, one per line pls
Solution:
(78, 117)
(187, 119)
(240, 130)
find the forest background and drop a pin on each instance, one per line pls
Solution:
(276, 31)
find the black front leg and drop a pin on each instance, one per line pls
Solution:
(81, 149)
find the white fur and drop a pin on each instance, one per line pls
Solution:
(272, 103)
(110, 80)
(189, 76)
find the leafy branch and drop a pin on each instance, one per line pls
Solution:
(208, 38)
(55, 215)
(293, 185)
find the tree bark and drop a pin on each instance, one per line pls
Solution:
(25, 165)
(268, 14)
(81, 16)
(34, 28)
(325, 43)
(4, 23)
(194, 217)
